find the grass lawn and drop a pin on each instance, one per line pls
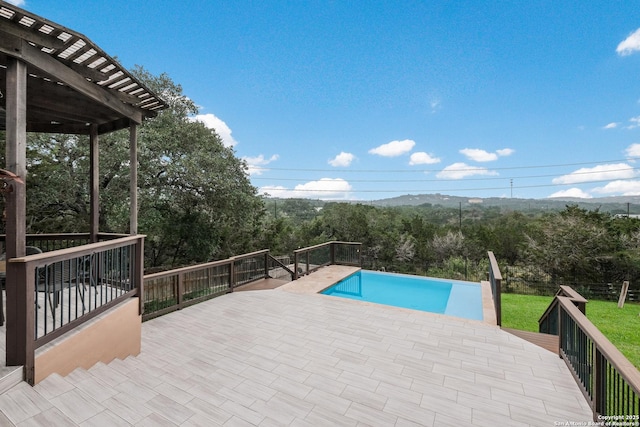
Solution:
(620, 325)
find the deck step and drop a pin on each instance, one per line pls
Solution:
(546, 341)
(10, 376)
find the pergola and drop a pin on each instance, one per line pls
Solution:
(55, 80)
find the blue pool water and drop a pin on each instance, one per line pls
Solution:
(450, 297)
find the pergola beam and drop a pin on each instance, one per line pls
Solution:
(21, 49)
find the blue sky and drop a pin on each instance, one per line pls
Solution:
(374, 99)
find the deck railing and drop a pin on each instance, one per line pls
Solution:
(495, 280)
(65, 288)
(608, 380)
(175, 289)
(548, 322)
(172, 290)
(48, 242)
(307, 260)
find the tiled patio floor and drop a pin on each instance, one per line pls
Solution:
(273, 357)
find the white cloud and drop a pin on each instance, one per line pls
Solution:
(393, 148)
(217, 124)
(462, 170)
(505, 152)
(342, 159)
(324, 188)
(611, 125)
(633, 150)
(597, 173)
(16, 2)
(635, 122)
(256, 164)
(623, 187)
(572, 192)
(422, 158)
(478, 155)
(629, 45)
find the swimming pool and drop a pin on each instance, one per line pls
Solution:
(450, 297)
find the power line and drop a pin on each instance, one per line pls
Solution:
(428, 190)
(459, 179)
(470, 169)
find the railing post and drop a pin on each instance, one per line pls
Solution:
(560, 326)
(180, 290)
(295, 265)
(232, 275)
(266, 264)
(308, 261)
(496, 286)
(599, 384)
(332, 253)
(139, 272)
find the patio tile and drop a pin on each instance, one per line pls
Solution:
(326, 384)
(209, 410)
(364, 397)
(399, 393)
(169, 409)
(52, 417)
(155, 420)
(410, 411)
(105, 418)
(296, 359)
(77, 406)
(244, 413)
(328, 400)
(95, 389)
(488, 418)
(320, 416)
(54, 385)
(369, 416)
(446, 406)
(127, 407)
(294, 388)
(21, 402)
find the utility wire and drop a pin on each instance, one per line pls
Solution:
(469, 169)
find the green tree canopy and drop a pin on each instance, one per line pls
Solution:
(196, 202)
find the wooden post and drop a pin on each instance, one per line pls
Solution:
(180, 290)
(232, 274)
(133, 178)
(17, 312)
(94, 184)
(139, 272)
(623, 293)
(332, 252)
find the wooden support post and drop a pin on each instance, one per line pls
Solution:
(94, 184)
(133, 178)
(17, 312)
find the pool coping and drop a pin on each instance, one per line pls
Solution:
(326, 277)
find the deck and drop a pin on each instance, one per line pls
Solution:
(285, 357)
(546, 341)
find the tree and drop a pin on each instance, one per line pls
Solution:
(572, 246)
(196, 202)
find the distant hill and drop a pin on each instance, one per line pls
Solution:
(605, 204)
(616, 205)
